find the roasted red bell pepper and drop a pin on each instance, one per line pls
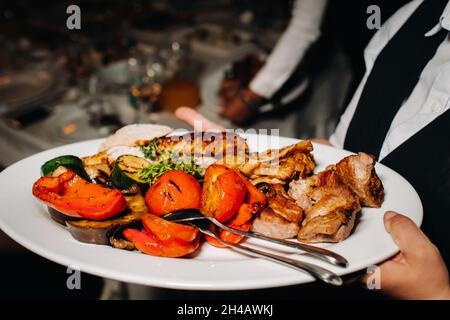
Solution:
(229, 197)
(228, 236)
(74, 196)
(255, 199)
(223, 193)
(163, 238)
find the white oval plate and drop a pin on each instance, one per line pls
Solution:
(26, 220)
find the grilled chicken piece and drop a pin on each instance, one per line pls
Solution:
(272, 225)
(281, 164)
(206, 147)
(358, 173)
(135, 135)
(329, 206)
(214, 145)
(281, 218)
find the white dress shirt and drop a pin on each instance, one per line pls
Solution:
(303, 30)
(430, 97)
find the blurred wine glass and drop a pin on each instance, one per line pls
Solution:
(146, 78)
(102, 112)
(175, 56)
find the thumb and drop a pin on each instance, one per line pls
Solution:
(196, 120)
(411, 241)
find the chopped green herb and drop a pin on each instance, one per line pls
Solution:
(150, 151)
(167, 162)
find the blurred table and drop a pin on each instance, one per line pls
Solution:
(17, 143)
(315, 117)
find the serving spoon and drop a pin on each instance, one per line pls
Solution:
(327, 276)
(193, 215)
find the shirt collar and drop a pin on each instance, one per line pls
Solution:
(444, 22)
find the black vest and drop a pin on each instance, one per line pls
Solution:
(394, 75)
(424, 160)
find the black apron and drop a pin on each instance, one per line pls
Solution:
(424, 159)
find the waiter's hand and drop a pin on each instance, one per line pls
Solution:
(196, 120)
(240, 107)
(229, 88)
(417, 271)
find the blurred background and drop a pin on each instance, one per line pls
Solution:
(137, 61)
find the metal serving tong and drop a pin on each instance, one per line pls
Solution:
(203, 225)
(193, 215)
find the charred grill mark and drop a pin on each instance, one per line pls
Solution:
(175, 185)
(376, 188)
(169, 196)
(264, 188)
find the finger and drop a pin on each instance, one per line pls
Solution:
(390, 264)
(389, 272)
(221, 110)
(410, 239)
(196, 120)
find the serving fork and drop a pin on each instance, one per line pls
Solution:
(327, 276)
(192, 215)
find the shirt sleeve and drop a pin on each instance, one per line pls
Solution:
(303, 30)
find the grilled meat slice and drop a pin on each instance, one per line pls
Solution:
(280, 202)
(281, 218)
(331, 199)
(331, 218)
(329, 206)
(281, 164)
(206, 147)
(301, 189)
(358, 173)
(333, 227)
(273, 225)
(217, 145)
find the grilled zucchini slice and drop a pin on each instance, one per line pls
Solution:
(70, 162)
(126, 172)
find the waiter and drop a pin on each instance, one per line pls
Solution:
(400, 113)
(311, 20)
